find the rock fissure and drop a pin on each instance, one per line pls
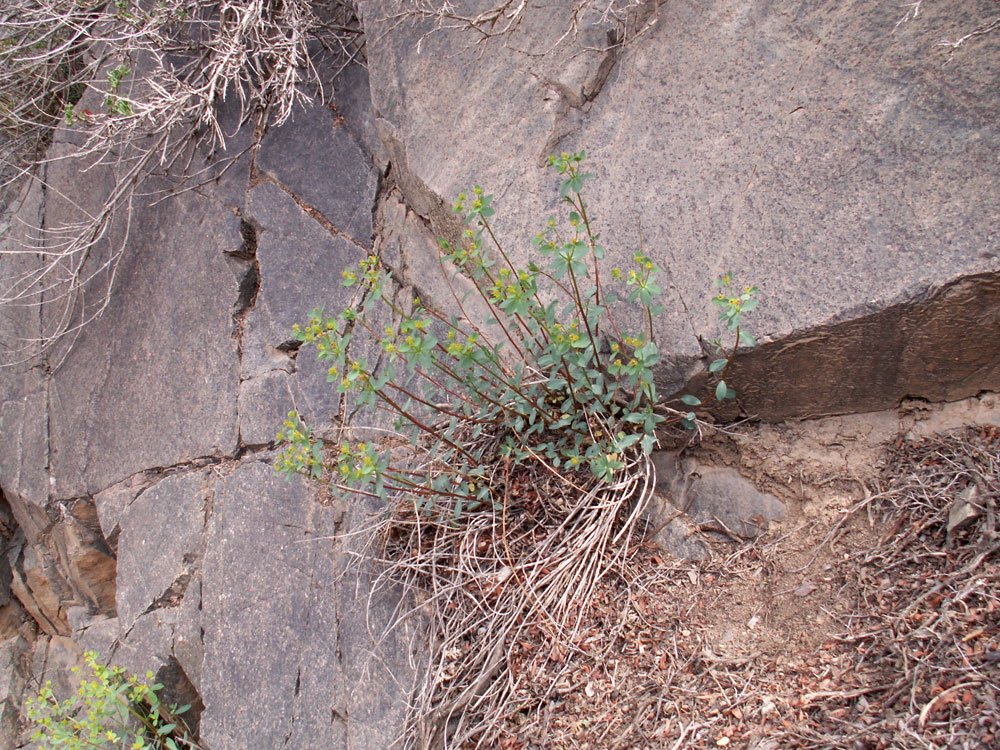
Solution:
(151, 476)
(249, 283)
(847, 179)
(314, 213)
(291, 348)
(171, 597)
(48, 437)
(383, 186)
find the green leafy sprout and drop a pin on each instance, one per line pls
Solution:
(114, 104)
(110, 709)
(551, 377)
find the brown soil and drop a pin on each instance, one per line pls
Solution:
(858, 621)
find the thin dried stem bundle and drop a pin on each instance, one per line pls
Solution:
(909, 659)
(493, 579)
(138, 89)
(621, 19)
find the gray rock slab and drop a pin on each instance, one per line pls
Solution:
(153, 381)
(276, 631)
(411, 250)
(15, 686)
(112, 502)
(379, 662)
(189, 646)
(228, 164)
(21, 225)
(13, 653)
(166, 640)
(300, 266)
(828, 155)
(160, 544)
(98, 634)
(353, 102)
(147, 643)
(315, 157)
(24, 471)
(265, 401)
(24, 448)
(714, 493)
(673, 532)
(149, 646)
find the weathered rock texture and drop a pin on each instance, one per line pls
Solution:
(713, 499)
(145, 520)
(842, 161)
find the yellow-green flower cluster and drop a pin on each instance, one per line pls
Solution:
(112, 710)
(298, 453)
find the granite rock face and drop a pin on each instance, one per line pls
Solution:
(284, 626)
(159, 544)
(315, 157)
(300, 264)
(839, 158)
(145, 520)
(165, 338)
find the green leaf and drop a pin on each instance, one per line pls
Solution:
(747, 339)
(721, 390)
(647, 354)
(749, 305)
(648, 441)
(691, 400)
(717, 365)
(626, 442)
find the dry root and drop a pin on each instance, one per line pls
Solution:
(496, 579)
(910, 660)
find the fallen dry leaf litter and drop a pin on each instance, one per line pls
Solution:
(881, 630)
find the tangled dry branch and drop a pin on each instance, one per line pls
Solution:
(621, 20)
(492, 581)
(911, 658)
(136, 88)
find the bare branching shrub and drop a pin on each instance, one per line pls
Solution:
(140, 85)
(620, 19)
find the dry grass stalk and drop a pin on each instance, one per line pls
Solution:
(622, 20)
(139, 86)
(911, 661)
(491, 581)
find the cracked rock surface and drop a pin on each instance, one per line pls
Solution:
(284, 626)
(165, 339)
(836, 158)
(832, 157)
(141, 513)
